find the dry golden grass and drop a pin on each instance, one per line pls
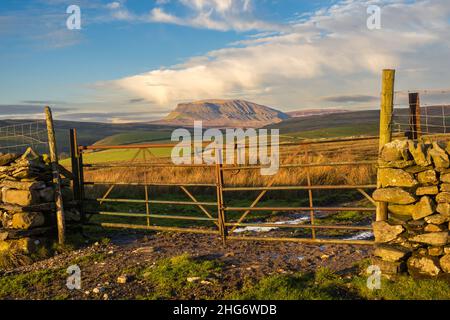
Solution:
(320, 153)
(13, 259)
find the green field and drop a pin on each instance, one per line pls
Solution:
(135, 137)
(117, 155)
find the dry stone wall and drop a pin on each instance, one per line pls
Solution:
(27, 210)
(415, 182)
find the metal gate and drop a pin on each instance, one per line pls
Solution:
(219, 216)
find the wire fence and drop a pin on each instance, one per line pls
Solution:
(421, 112)
(16, 138)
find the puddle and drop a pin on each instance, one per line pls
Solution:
(267, 229)
(361, 236)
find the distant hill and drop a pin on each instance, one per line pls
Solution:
(349, 123)
(313, 112)
(223, 113)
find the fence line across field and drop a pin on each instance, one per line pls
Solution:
(415, 118)
(18, 137)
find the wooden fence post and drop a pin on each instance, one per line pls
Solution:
(76, 171)
(56, 178)
(219, 191)
(387, 106)
(414, 115)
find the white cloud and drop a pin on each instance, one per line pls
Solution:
(222, 15)
(329, 54)
(159, 15)
(113, 5)
(218, 5)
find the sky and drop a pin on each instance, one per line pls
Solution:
(134, 60)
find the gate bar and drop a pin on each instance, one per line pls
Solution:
(94, 183)
(369, 186)
(156, 202)
(158, 228)
(304, 240)
(300, 209)
(304, 165)
(156, 216)
(305, 226)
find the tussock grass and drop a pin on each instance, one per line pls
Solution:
(89, 259)
(169, 276)
(13, 259)
(19, 286)
(322, 285)
(405, 288)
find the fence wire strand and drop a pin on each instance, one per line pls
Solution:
(16, 138)
(432, 113)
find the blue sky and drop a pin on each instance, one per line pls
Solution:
(141, 57)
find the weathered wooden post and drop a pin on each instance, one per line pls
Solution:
(77, 171)
(414, 115)
(56, 178)
(387, 106)
(219, 192)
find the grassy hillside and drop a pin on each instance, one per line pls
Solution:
(135, 137)
(331, 125)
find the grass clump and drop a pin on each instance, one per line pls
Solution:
(169, 276)
(404, 288)
(13, 259)
(20, 285)
(322, 285)
(90, 258)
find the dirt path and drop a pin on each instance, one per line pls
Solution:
(102, 264)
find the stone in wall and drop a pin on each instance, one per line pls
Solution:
(427, 177)
(437, 219)
(443, 197)
(425, 207)
(443, 208)
(427, 190)
(432, 238)
(24, 245)
(393, 195)
(391, 253)
(402, 212)
(419, 153)
(439, 156)
(445, 263)
(6, 159)
(20, 197)
(385, 232)
(422, 265)
(396, 178)
(395, 150)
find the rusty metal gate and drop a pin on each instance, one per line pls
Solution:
(219, 217)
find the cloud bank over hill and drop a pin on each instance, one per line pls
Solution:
(329, 53)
